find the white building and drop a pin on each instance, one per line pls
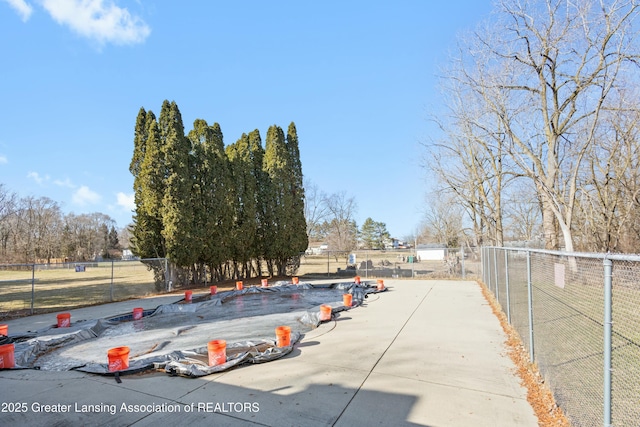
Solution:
(431, 252)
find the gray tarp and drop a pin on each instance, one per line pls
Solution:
(174, 337)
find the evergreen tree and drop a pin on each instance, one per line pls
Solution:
(382, 235)
(373, 234)
(213, 194)
(288, 228)
(135, 167)
(198, 204)
(139, 144)
(299, 239)
(177, 203)
(244, 230)
(147, 167)
(261, 196)
(274, 164)
(114, 242)
(367, 234)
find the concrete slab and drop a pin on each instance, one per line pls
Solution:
(447, 342)
(303, 393)
(426, 353)
(405, 402)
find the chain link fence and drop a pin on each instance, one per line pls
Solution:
(579, 317)
(39, 288)
(27, 289)
(398, 263)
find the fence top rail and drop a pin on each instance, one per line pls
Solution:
(593, 255)
(17, 265)
(73, 263)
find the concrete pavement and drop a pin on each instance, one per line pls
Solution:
(426, 353)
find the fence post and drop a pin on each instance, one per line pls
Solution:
(111, 287)
(485, 278)
(506, 281)
(33, 285)
(487, 270)
(608, 267)
(495, 270)
(167, 285)
(530, 292)
(366, 265)
(462, 262)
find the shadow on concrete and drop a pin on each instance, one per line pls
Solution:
(152, 399)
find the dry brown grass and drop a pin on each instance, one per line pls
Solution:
(58, 288)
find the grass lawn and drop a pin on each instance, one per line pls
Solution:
(63, 287)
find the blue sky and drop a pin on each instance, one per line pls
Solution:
(357, 77)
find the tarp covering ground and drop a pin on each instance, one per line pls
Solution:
(173, 337)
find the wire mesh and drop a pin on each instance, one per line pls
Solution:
(568, 326)
(436, 263)
(16, 283)
(568, 330)
(38, 288)
(625, 357)
(518, 294)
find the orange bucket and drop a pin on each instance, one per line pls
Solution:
(7, 359)
(325, 312)
(380, 284)
(265, 283)
(357, 280)
(64, 320)
(4, 330)
(214, 290)
(118, 358)
(239, 285)
(188, 295)
(138, 312)
(294, 280)
(347, 299)
(217, 350)
(283, 334)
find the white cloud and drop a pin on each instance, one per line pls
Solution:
(37, 178)
(100, 20)
(22, 7)
(3, 159)
(126, 201)
(85, 196)
(66, 183)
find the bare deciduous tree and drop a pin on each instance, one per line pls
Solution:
(7, 209)
(471, 160)
(340, 224)
(315, 210)
(443, 221)
(545, 72)
(522, 214)
(611, 183)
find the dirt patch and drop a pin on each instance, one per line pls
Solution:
(538, 394)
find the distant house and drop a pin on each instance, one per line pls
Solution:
(431, 252)
(317, 249)
(394, 243)
(127, 255)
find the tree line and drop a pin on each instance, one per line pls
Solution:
(331, 220)
(540, 131)
(216, 212)
(34, 230)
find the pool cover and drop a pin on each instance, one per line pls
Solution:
(173, 337)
